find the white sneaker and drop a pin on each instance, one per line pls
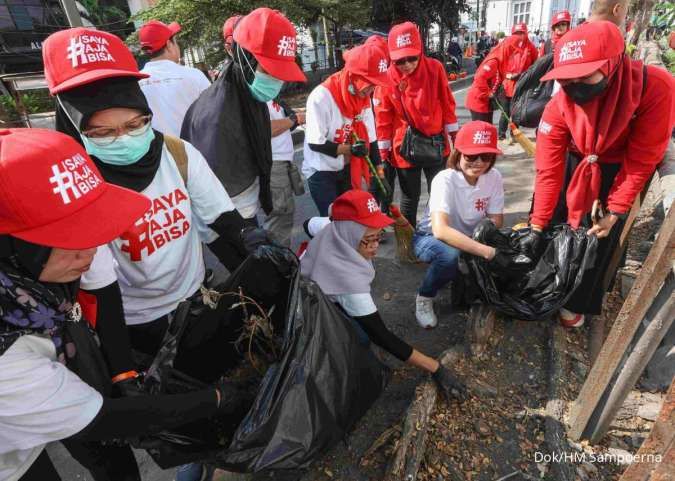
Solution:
(571, 319)
(424, 312)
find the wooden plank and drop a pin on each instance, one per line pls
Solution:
(658, 451)
(657, 265)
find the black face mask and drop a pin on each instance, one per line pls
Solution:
(582, 93)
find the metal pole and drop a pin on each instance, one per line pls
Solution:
(72, 13)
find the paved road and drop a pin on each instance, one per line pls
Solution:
(518, 175)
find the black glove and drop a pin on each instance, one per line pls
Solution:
(529, 244)
(501, 260)
(254, 237)
(359, 149)
(449, 384)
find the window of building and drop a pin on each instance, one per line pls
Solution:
(521, 12)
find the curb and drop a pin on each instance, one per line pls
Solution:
(298, 135)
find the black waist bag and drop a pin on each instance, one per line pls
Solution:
(420, 150)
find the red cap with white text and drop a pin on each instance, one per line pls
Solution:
(477, 137)
(560, 17)
(154, 35)
(78, 56)
(404, 41)
(361, 207)
(52, 194)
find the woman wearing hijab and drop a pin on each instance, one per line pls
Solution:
(339, 260)
(560, 25)
(340, 128)
(419, 99)
(462, 195)
(513, 66)
(47, 241)
(230, 123)
(159, 262)
(600, 138)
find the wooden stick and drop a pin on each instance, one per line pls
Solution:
(648, 283)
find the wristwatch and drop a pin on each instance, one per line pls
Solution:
(294, 119)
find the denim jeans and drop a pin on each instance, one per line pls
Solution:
(189, 472)
(325, 186)
(442, 259)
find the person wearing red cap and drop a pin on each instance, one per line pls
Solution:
(600, 138)
(483, 93)
(47, 242)
(159, 262)
(417, 101)
(228, 33)
(170, 87)
(340, 127)
(340, 260)
(513, 66)
(560, 25)
(230, 122)
(469, 190)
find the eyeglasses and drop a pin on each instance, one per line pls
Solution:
(107, 135)
(488, 158)
(369, 241)
(404, 60)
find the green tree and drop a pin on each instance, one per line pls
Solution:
(202, 20)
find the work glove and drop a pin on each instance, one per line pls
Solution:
(501, 260)
(254, 237)
(359, 149)
(449, 384)
(529, 244)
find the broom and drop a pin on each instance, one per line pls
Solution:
(403, 233)
(373, 172)
(528, 146)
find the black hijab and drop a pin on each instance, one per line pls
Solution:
(27, 305)
(232, 129)
(75, 107)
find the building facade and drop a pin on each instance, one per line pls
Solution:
(501, 15)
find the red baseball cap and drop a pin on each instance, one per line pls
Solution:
(404, 41)
(270, 37)
(78, 56)
(361, 207)
(228, 28)
(477, 137)
(585, 49)
(52, 194)
(560, 17)
(369, 61)
(519, 27)
(154, 34)
(378, 41)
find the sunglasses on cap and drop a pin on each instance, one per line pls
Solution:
(405, 60)
(489, 158)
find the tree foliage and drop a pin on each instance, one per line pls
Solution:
(202, 20)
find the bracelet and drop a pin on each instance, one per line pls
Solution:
(294, 118)
(124, 376)
(619, 216)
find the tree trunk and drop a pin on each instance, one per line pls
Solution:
(644, 10)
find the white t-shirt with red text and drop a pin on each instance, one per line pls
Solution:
(158, 262)
(324, 122)
(465, 204)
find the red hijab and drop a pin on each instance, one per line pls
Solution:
(595, 126)
(351, 106)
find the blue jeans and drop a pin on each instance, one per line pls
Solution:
(189, 472)
(325, 186)
(442, 259)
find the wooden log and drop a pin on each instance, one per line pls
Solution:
(648, 283)
(657, 453)
(409, 450)
(555, 433)
(479, 328)
(636, 363)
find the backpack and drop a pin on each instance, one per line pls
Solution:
(177, 150)
(531, 95)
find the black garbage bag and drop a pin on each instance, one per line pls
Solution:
(322, 383)
(548, 283)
